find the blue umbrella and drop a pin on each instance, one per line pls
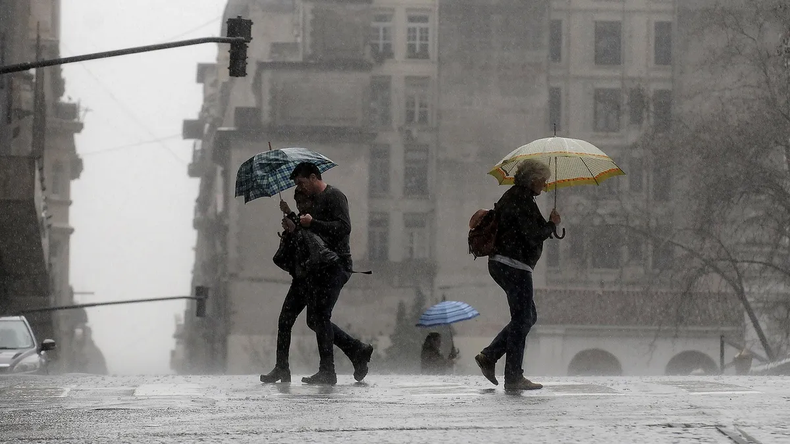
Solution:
(268, 173)
(447, 312)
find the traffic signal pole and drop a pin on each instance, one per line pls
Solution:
(201, 295)
(239, 35)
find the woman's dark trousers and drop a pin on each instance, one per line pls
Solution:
(523, 315)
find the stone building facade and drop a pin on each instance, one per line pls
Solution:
(38, 161)
(416, 100)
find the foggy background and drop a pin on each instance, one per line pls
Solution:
(133, 204)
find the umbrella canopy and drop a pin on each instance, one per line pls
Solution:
(447, 312)
(572, 162)
(268, 173)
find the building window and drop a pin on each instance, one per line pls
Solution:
(415, 171)
(608, 189)
(415, 226)
(636, 252)
(662, 109)
(577, 251)
(661, 183)
(418, 36)
(58, 178)
(607, 110)
(417, 110)
(552, 254)
(380, 100)
(608, 43)
(381, 36)
(378, 237)
(662, 248)
(555, 41)
(635, 175)
(662, 46)
(379, 179)
(636, 106)
(555, 109)
(606, 242)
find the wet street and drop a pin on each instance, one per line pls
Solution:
(418, 409)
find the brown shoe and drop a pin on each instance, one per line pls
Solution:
(488, 367)
(523, 384)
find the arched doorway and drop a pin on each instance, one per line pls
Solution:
(691, 361)
(594, 362)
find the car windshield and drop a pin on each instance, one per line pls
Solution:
(14, 334)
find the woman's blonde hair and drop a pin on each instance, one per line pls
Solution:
(529, 170)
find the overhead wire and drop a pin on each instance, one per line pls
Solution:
(131, 145)
(130, 114)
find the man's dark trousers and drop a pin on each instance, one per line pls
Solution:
(325, 286)
(523, 315)
(295, 302)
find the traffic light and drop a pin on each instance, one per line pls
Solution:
(201, 295)
(239, 27)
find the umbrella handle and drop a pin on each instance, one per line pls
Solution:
(556, 235)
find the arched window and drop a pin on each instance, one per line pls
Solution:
(691, 361)
(594, 362)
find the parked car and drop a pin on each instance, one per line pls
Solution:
(19, 351)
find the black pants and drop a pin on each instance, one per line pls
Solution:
(523, 315)
(324, 289)
(293, 305)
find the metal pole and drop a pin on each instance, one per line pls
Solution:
(96, 304)
(721, 354)
(118, 52)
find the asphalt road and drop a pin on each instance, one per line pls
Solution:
(394, 409)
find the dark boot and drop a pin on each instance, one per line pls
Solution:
(278, 374)
(488, 367)
(321, 378)
(522, 384)
(360, 362)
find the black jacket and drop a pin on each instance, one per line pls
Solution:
(521, 229)
(332, 222)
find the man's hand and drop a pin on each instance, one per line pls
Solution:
(288, 225)
(284, 207)
(305, 220)
(453, 353)
(555, 217)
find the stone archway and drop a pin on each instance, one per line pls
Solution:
(594, 362)
(684, 363)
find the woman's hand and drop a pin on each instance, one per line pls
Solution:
(555, 217)
(288, 225)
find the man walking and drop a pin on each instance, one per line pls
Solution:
(329, 219)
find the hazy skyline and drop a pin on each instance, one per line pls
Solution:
(133, 204)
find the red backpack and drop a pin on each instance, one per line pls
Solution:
(482, 233)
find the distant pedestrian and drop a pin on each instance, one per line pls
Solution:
(432, 362)
(521, 231)
(329, 218)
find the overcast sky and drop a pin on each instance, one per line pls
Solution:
(133, 205)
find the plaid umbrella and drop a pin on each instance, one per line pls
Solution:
(268, 173)
(447, 312)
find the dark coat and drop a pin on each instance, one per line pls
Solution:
(302, 251)
(521, 229)
(433, 363)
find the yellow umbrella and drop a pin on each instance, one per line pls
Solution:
(573, 162)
